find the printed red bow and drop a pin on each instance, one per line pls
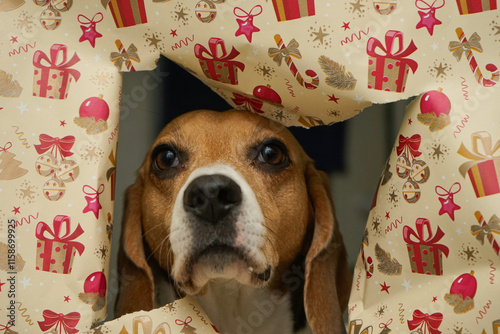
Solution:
(66, 322)
(59, 145)
(249, 103)
(56, 234)
(428, 323)
(41, 60)
(409, 145)
(6, 147)
(183, 323)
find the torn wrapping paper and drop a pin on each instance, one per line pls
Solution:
(304, 63)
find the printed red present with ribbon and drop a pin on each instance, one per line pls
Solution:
(388, 65)
(425, 323)
(293, 9)
(53, 75)
(219, 67)
(127, 13)
(475, 6)
(484, 167)
(56, 246)
(423, 249)
(62, 323)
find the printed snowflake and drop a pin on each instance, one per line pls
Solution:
(102, 78)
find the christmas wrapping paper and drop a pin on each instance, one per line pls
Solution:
(301, 62)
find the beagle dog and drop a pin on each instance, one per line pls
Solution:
(229, 208)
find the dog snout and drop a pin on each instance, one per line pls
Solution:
(212, 197)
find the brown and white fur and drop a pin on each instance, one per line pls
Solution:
(228, 207)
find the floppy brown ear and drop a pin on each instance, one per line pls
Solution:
(136, 282)
(328, 280)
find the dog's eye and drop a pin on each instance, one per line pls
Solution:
(166, 159)
(271, 154)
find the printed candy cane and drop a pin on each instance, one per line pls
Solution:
(315, 78)
(487, 229)
(123, 51)
(467, 46)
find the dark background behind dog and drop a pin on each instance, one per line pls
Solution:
(353, 152)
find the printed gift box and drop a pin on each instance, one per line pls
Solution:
(217, 67)
(56, 247)
(484, 169)
(388, 65)
(293, 9)
(475, 6)
(423, 250)
(53, 75)
(127, 13)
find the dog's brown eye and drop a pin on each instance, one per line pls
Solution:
(166, 159)
(272, 154)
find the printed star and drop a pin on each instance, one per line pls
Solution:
(280, 116)
(16, 210)
(470, 253)
(265, 70)
(25, 282)
(333, 98)
(376, 224)
(27, 192)
(440, 70)
(448, 206)
(173, 32)
(385, 287)
(91, 153)
(102, 78)
(67, 299)
(103, 251)
(181, 15)
(393, 196)
(14, 39)
(93, 205)
(153, 41)
(97, 330)
(25, 22)
(346, 26)
(459, 331)
(89, 34)
(380, 312)
(320, 35)
(434, 299)
(498, 30)
(387, 215)
(407, 285)
(246, 27)
(356, 6)
(428, 20)
(1, 285)
(22, 107)
(437, 151)
(170, 307)
(63, 123)
(409, 121)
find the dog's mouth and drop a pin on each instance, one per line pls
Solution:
(218, 260)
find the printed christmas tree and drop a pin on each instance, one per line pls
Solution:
(188, 330)
(9, 167)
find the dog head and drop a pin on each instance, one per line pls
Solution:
(232, 195)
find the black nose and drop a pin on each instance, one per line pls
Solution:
(211, 197)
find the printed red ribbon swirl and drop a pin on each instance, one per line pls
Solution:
(419, 237)
(68, 322)
(60, 146)
(429, 323)
(409, 145)
(41, 60)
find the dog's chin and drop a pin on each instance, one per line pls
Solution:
(223, 262)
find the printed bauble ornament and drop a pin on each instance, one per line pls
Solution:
(205, 11)
(411, 191)
(62, 5)
(403, 166)
(50, 18)
(420, 171)
(267, 93)
(385, 7)
(68, 171)
(462, 292)
(54, 189)
(46, 164)
(41, 2)
(94, 289)
(93, 112)
(7, 5)
(435, 108)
